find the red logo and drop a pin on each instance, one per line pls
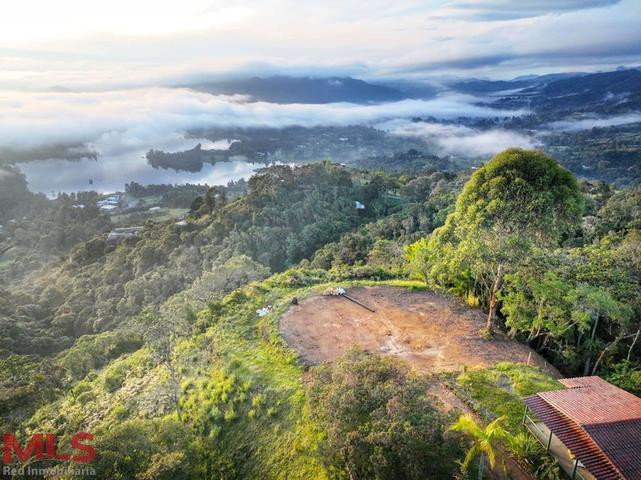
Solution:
(44, 446)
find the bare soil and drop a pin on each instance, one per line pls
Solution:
(431, 331)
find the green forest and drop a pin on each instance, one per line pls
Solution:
(154, 344)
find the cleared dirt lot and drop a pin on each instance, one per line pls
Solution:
(433, 332)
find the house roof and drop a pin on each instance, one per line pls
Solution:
(590, 400)
(598, 422)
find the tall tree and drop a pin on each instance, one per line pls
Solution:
(518, 200)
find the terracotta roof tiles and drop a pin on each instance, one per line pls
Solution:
(598, 422)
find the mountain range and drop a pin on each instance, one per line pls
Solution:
(563, 93)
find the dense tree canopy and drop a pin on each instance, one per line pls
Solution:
(518, 200)
(514, 244)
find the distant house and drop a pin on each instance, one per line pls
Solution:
(118, 234)
(112, 202)
(358, 205)
(591, 427)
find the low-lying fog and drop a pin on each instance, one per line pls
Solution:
(118, 120)
(121, 126)
(589, 122)
(459, 140)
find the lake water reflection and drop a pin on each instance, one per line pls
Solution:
(110, 173)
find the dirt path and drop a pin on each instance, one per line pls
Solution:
(431, 331)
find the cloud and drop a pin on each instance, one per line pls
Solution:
(458, 140)
(509, 10)
(5, 173)
(557, 55)
(463, 63)
(142, 43)
(575, 125)
(120, 126)
(130, 120)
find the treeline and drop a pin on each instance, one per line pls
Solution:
(182, 195)
(427, 201)
(610, 154)
(412, 161)
(179, 274)
(189, 160)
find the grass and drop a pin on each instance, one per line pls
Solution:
(150, 200)
(250, 348)
(242, 388)
(499, 390)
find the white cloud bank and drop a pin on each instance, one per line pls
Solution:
(458, 140)
(129, 120)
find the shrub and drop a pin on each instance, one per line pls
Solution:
(115, 377)
(378, 421)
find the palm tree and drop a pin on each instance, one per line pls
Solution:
(484, 440)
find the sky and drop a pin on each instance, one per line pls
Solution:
(88, 44)
(101, 75)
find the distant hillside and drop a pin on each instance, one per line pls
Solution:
(603, 93)
(551, 97)
(595, 85)
(476, 86)
(479, 86)
(618, 82)
(549, 77)
(282, 89)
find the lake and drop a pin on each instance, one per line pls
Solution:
(110, 172)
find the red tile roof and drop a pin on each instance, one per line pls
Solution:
(575, 439)
(617, 440)
(598, 422)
